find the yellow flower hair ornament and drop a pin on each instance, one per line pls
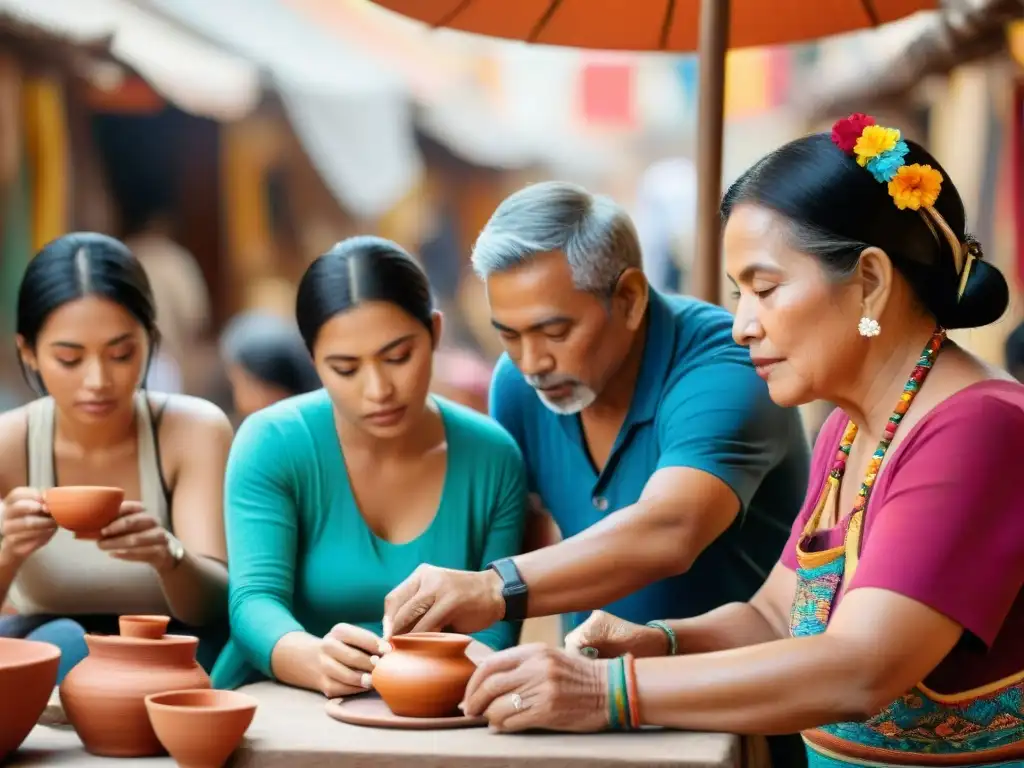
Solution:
(882, 151)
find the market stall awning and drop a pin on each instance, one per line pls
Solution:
(187, 70)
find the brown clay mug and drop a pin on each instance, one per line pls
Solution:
(425, 675)
(150, 627)
(200, 728)
(84, 509)
(28, 672)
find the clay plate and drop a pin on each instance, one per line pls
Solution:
(371, 711)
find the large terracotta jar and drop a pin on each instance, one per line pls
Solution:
(425, 675)
(104, 695)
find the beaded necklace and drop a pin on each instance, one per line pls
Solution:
(913, 385)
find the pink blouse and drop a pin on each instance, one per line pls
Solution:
(945, 526)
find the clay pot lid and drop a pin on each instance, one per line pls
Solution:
(152, 626)
(202, 700)
(15, 652)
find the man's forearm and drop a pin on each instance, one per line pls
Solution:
(614, 558)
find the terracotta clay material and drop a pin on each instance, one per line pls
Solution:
(84, 509)
(28, 672)
(200, 728)
(425, 675)
(150, 627)
(369, 711)
(104, 695)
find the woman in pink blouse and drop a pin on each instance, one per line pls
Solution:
(891, 631)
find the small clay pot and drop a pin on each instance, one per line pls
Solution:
(425, 675)
(84, 509)
(200, 728)
(148, 627)
(28, 672)
(104, 695)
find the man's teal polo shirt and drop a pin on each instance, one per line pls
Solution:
(698, 403)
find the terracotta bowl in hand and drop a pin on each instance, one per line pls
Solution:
(84, 509)
(148, 627)
(200, 728)
(28, 672)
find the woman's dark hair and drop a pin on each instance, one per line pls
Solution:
(359, 269)
(836, 209)
(72, 267)
(270, 349)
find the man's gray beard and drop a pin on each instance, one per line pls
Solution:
(582, 395)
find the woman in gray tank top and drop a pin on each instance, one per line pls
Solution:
(86, 333)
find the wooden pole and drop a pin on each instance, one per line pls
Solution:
(714, 42)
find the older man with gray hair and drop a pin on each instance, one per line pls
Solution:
(673, 477)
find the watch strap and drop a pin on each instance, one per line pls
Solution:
(514, 589)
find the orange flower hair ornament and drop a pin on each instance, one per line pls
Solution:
(882, 152)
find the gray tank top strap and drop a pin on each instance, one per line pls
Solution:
(151, 485)
(40, 443)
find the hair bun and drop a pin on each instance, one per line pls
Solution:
(985, 298)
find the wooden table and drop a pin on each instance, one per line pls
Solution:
(291, 730)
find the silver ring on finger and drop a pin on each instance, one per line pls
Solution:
(517, 702)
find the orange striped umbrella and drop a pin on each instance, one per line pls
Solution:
(652, 25)
(708, 26)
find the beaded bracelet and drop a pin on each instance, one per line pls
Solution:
(673, 643)
(618, 695)
(632, 691)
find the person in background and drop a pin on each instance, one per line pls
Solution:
(86, 333)
(335, 496)
(463, 376)
(647, 433)
(266, 361)
(1014, 352)
(891, 631)
(182, 300)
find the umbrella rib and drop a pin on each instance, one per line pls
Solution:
(543, 21)
(666, 25)
(872, 12)
(449, 17)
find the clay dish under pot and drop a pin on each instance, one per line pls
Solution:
(28, 672)
(148, 627)
(425, 675)
(200, 728)
(84, 509)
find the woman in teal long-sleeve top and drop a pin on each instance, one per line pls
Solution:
(332, 498)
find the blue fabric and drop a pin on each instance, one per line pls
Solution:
(700, 404)
(66, 634)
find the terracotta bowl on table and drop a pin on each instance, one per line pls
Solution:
(84, 510)
(200, 728)
(28, 673)
(149, 627)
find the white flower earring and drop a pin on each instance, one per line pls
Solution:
(869, 327)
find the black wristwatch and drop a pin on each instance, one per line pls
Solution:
(514, 591)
